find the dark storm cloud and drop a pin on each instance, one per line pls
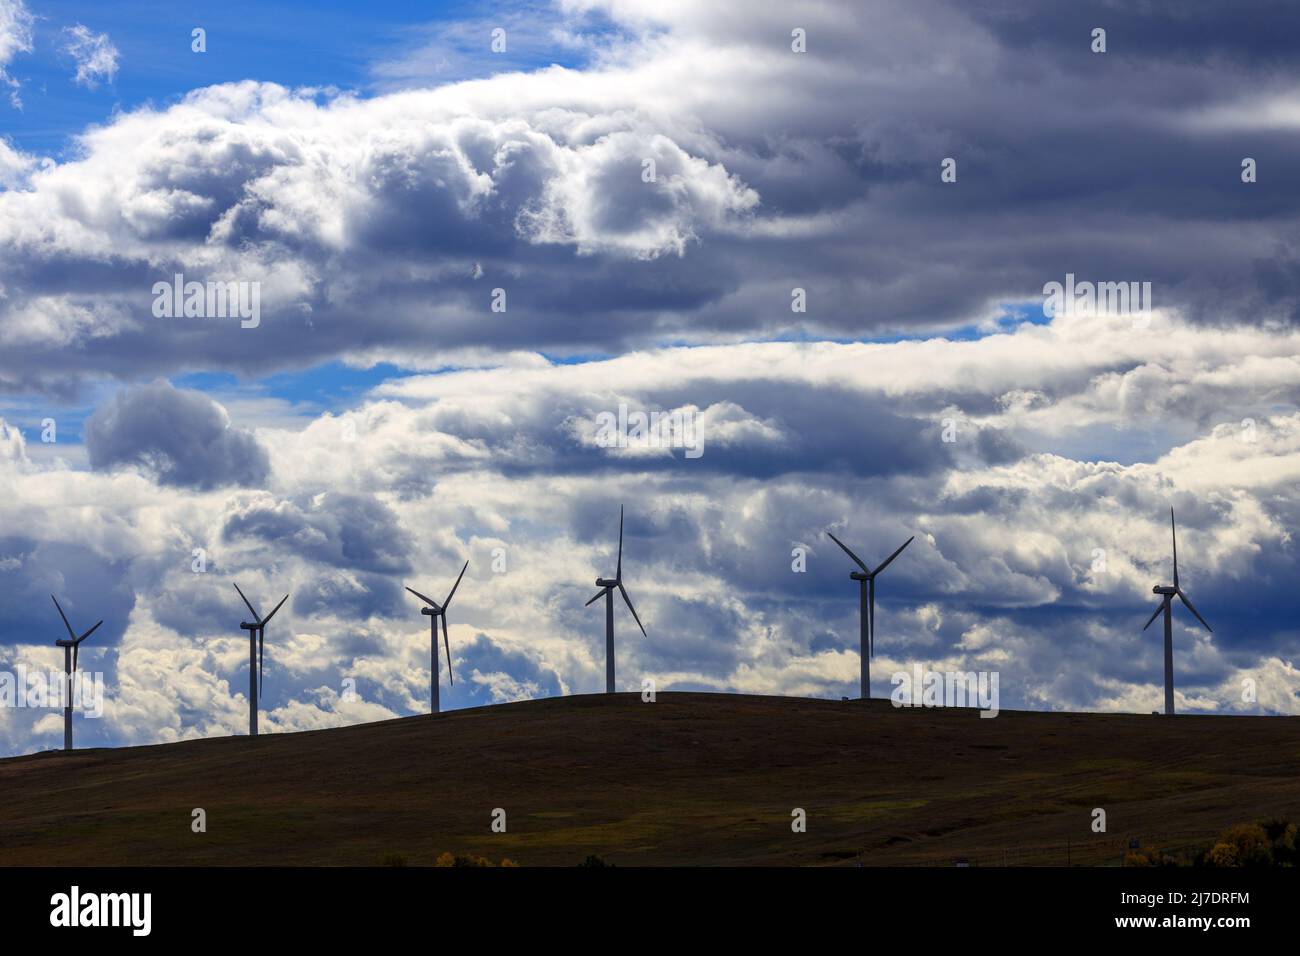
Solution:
(753, 429)
(686, 637)
(368, 228)
(354, 597)
(89, 587)
(996, 447)
(488, 658)
(346, 530)
(196, 604)
(181, 437)
(1192, 30)
(384, 225)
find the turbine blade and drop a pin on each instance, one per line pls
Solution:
(871, 616)
(446, 642)
(894, 555)
(273, 613)
(845, 547)
(618, 572)
(428, 601)
(1159, 607)
(88, 633)
(71, 633)
(447, 603)
(251, 609)
(1174, 534)
(632, 609)
(1183, 597)
(599, 594)
(260, 635)
(74, 656)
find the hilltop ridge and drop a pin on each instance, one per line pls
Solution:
(688, 779)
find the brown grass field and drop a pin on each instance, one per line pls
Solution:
(695, 779)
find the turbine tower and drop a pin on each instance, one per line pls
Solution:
(434, 610)
(1167, 594)
(69, 669)
(607, 586)
(866, 579)
(256, 633)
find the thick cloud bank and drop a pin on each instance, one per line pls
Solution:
(591, 281)
(182, 437)
(678, 188)
(1035, 547)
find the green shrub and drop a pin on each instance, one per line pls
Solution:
(1267, 843)
(469, 859)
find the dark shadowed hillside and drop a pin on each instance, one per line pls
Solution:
(689, 779)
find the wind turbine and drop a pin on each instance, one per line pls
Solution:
(256, 633)
(435, 610)
(69, 669)
(866, 579)
(1167, 594)
(607, 586)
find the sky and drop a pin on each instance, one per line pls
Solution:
(820, 233)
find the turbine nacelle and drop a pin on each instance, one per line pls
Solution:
(1167, 594)
(71, 646)
(72, 641)
(259, 622)
(607, 588)
(1171, 591)
(433, 610)
(866, 578)
(258, 627)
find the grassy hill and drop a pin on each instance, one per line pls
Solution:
(689, 779)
